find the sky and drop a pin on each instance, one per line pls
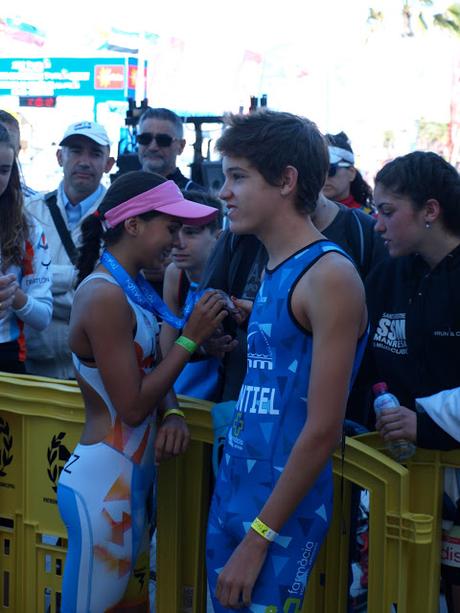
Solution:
(322, 59)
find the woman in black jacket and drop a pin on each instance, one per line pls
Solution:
(414, 307)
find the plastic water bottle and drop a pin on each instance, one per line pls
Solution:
(401, 449)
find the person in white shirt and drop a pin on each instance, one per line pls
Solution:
(25, 281)
(84, 156)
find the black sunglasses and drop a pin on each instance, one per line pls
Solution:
(162, 140)
(333, 168)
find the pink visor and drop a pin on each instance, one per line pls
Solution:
(165, 198)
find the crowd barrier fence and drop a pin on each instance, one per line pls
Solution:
(40, 423)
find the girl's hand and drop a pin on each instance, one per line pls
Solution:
(206, 317)
(172, 438)
(243, 309)
(237, 579)
(219, 343)
(8, 289)
(398, 423)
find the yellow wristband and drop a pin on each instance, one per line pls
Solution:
(262, 529)
(187, 344)
(173, 412)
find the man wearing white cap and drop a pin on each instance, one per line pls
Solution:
(84, 156)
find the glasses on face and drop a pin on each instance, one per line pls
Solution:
(162, 140)
(333, 168)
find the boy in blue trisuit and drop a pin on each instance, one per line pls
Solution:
(273, 498)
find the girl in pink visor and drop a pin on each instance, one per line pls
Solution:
(132, 417)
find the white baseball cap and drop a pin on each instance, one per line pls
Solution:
(90, 129)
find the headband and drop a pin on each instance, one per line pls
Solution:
(337, 154)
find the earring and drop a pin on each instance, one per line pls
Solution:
(427, 225)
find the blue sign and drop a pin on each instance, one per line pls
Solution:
(104, 78)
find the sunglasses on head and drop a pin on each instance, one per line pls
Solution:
(334, 167)
(162, 140)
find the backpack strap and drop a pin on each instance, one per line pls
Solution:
(61, 227)
(182, 290)
(361, 239)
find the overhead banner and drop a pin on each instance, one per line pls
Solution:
(103, 78)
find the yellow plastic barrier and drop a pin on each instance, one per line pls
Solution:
(392, 530)
(183, 500)
(40, 422)
(426, 470)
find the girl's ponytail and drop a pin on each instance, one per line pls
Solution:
(91, 236)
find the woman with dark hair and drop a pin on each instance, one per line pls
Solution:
(127, 388)
(344, 182)
(414, 307)
(25, 281)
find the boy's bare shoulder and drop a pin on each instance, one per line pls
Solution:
(333, 268)
(333, 280)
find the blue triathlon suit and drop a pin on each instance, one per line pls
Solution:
(103, 493)
(269, 416)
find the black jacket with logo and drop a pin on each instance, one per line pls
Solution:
(414, 343)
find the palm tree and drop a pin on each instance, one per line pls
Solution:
(421, 14)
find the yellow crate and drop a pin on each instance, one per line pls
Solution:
(8, 564)
(40, 423)
(41, 571)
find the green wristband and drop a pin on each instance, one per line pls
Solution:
(263, 530)
(173, 412)
(187, 344)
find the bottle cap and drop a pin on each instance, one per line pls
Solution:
(379, 388)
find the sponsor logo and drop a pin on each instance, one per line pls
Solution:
(235, 431)
(238, 423)
(304, 564)
(42, 243)
(6, 446)
(292, 605)
(38, 280)
(140, 575)
(450, 333)
(450, 548)
(255, 399)
(83, 125)
(391, 333)
(57, 456)
(260, 354)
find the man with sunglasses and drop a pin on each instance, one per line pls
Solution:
(160, 140)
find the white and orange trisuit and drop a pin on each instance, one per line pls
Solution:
(103, 494)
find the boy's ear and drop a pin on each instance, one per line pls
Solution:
(289, 180)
